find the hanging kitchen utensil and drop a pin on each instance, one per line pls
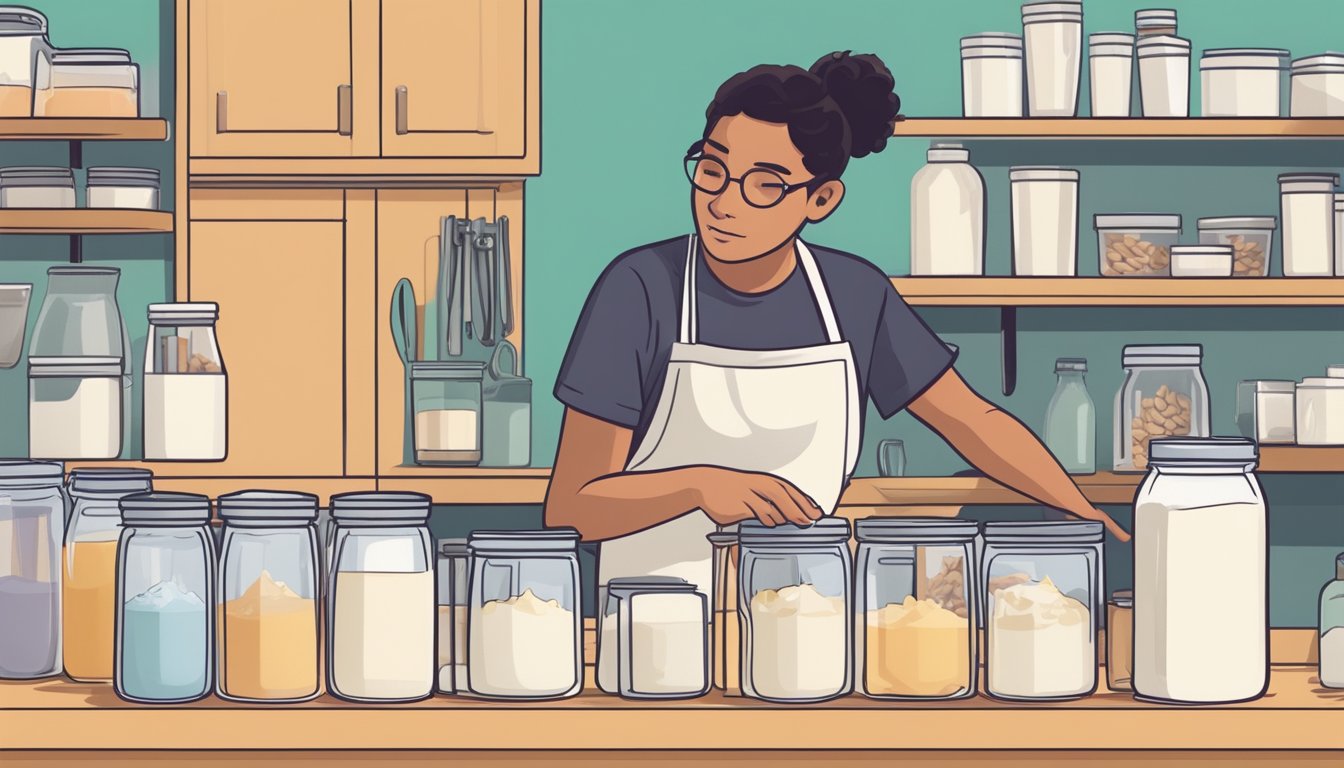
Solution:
(403, 336)
(453, 309)
(507, 411)
(487, 286)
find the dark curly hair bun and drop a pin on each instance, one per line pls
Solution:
(865, 91)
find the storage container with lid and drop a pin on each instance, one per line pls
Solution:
(1331, 637)
(1201, 261)
(452, 573)
(1272, 411)
(380, 602)
(795, 603)
(14, 299)
(114, 187)
(652, 639)
(1243, 82)
(1339, 235)
(1320, 411)
(1201, 619)
(1053, 41)
(1110, 57)
(32, 519)
(1164, 395)
(1318, 86)
(186, 389)
(991, 75)
(87, 82)
(947, 215)
(23, 33)
(1120, 640)
(1135, 244)
(1071, 419)
(165, 599)
(725, 624)
(74, 407)
(1044, 220)
(89, 567)
(1335, 371)
(1041, 583)
(79, 315)
(267, 597)
(447, 403)
(915, 608)
(1307, 208)
(1164, 76)
(525, 636)
(1251, 238)
(1153, 22)
(37, 187)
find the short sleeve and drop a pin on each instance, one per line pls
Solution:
(603, 371)
(908, 357)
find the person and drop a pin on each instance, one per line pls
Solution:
(723, 376)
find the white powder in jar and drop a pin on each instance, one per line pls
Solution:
(382, 643)
(85, 426)
(185, 416)
(799, 645)
(523, 647)
(1040, 643)
(1332, 658)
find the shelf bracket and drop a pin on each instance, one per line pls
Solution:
(76, 249)
(76, 154)
(1008, 345)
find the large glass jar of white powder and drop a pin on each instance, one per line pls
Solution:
(795, 603)
(1042, 586)
(380, 603)
(652, 641)
(524, 636)
(1200, 639)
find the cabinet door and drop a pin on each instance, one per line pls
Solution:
(460, 78)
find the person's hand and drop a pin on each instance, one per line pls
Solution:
(1092, 513)
(729, 496)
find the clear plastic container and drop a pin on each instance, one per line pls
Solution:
(87, 82)
(1307, 208)
(23, 33)
(1155, 22)
(14, 299)
(1135, 244)
(1053, 41)
(89, 568)
(1242, 82)
(652, 639)
(446, 397)
(1044, 221)
(525, 639)
(947, 215)
(1164, 76)
(1071, 419)
(1164, 395)
(186, 387)
(115, 187)
(1331, 639)
(452, 572)
(1200, 512)
(1110, 58)
(506, 403)
(1120, 641)
(1318, 86)
(725, 624)
(1201, 261)
(74, 407)
(915, 607)
(37, 187)
(991, 75)
(380, 602)
(1251, 238)
(1273, 412)
(79, 315)
(165, 599)
(32, 523)
(268, 598)
(1320, 411)
(1041, 582)
(795, 602)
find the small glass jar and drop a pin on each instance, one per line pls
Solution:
(89, 568)
(165, 598)
(1120, 640)
(32, 519)
(1164, 395)
(525, 638)
(1042, 582)
(725, 625)
(380, 610)
(23, 32)
(74, 407)
(1273, 414)
(37, 187)
(186, 387)
(795, 604)
(891, 458)
(86, 82)
(652, 643)
(1332, 629)
(1071, 419)
(268, 609)
(452, 573)
(447, 403)
(916, 605)
(117, 187)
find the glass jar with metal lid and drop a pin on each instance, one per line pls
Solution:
(89, 567)
(116, 187)
(1164, 395)
(446, 398)
(652, 640)
(186, 386)
(916, 604)
(165, 598)
(452, 573)
(37, 187)
(380, 612)
(796, 602)
(524, 626)
(86, 82)
(1042, 587)
(267, 597)
(23, 32)
(32, 518)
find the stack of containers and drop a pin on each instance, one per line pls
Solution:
(1164, 76)
(991, 75)
(1053, 33)
(1110, 57)
(1318, 86)
(1243, 82)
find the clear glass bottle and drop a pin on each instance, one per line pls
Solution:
(916, 604)
(267, 597)
(380, 609)
(795, 603)
(525, 638)
(1332, 629)
(1071, 419)
(186, 387)
(447, 401)
(32, 521)
(452, 573)
(1164, 395)
(947, 215)
(165, 598)
(652, 639)
(89, 568)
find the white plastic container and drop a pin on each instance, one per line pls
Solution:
(1164, 76)
(1275, 412)
(1153, 22)
(1045, 221)
(1201, 261)
(1135, 244)
(1110, 58)
(1251, 238)
(947, 215)
(1242, 82)
(37, 187)
(1053, 42)
(112, 187)
(1320, 411)
(1339, 235)
(1307, 209)
(1335, 371)
(991, 75)
(74, 407)
(1318, 86)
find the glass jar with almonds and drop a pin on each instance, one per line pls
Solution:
(1135, 244)
(1251, 238)
(1164, 395)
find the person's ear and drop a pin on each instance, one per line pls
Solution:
(824, 200)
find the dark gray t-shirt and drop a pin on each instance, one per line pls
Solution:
(617, 358)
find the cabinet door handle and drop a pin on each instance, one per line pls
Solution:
(222, 112)
(345, 118)
(402, 124)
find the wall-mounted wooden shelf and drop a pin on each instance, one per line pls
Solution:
(1301, 458)
(83, 221)
(1120, 291)
(83, 129)
(1121, 128)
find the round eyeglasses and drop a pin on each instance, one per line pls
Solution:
(761, 188)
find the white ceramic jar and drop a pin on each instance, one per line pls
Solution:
(947, 215)
(1320, 411)
(1242, 82)
(1164, 76)
(1045, 220)
(1110, 58)
(991, 75)
(1053, 40)
(1318, 86)
(1307, 210)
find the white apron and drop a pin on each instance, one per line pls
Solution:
(793, 413)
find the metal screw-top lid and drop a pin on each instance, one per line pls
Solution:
(1022, 173)
(914, 529)
(110, 480)
(455, 547)
(948, 153)
(118, 176)
(19, 473)
(36, 176)
(1045, 532)
(1155, 17)
(164, 508)
(1138, 221)
(1071, 365)
(91, 56)
(542, 540)
(1123, 598)
(1238, 222)
(628, 585)
(826, 530)
(73, 367)
(1321, 177)
(1161, 354)
(184, 313)
(1202, 451)
(268, 507)
(380, 508)
(18, 20)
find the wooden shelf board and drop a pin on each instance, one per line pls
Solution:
(1301, 458)
(83, 221)
(1121, 127)
(1119, 291)
(84, 128)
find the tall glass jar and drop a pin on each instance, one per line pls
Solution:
(267, 597)
(916, 604)
(652, 639)
(1164, 395)
(1071, 419)
(795, 603)
(1042, 582)
(89, 568)
(1332, 629)
(186, 388)
(165, 594)
(380, 610)
(32, 521)
(452, 572)
(1199, 509)
(524, 625)
(725, 626)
